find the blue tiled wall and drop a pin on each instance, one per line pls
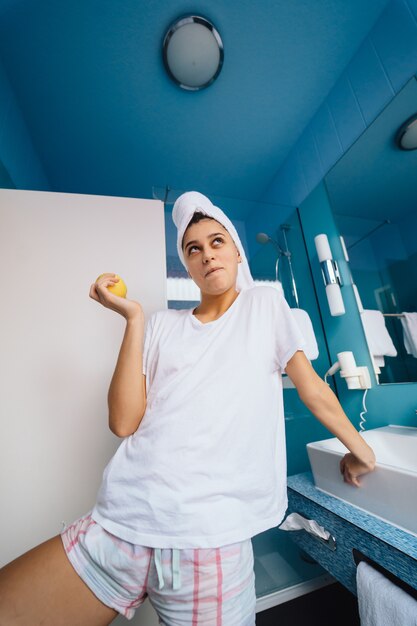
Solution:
(17, 155)
(385, 61)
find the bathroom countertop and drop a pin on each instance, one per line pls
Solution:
(399, 539)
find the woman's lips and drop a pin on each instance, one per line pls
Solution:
(214, 271)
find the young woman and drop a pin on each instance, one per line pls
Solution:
(202, 465)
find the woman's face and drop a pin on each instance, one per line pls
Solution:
(208, 246)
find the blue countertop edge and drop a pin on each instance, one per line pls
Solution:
(399, 539)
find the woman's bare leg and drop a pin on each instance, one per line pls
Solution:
(42, 587)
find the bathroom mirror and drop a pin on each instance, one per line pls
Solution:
(372, 191)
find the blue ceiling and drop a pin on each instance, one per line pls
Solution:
(105, 118)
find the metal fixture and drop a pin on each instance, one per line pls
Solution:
(331, 275)
(406, 137)
(193, 52)
(264, 238)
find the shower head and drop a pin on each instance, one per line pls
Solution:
(264, 238)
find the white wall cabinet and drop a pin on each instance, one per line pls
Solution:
(59, 348)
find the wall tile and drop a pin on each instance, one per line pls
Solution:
(284, 188)
(370, 82)
(395, 39)
(326, 138)
(346, 112)
(310, 159)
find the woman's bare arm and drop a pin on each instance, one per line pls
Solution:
(322, 402)
(127, 392)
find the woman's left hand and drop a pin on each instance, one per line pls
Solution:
(351, 468)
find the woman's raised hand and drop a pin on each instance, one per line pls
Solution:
(99, 292)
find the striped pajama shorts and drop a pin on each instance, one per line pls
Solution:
(196, 586)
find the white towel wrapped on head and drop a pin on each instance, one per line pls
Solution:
(183, 210)
(409, 323)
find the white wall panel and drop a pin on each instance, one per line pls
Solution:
(59, 348)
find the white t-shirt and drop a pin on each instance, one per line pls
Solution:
(207, 465)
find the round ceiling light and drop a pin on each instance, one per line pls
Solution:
(193, 52)
(407, 134)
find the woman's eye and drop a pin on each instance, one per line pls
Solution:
(191, 248)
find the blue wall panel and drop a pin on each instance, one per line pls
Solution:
(385, 61)
(395, 39)
(369, 81)
(382, 65)
(412, 5)
(386, 404)
(327, 140)
(310, 160)
(16, 149)
(346, 112)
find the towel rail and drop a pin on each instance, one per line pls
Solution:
(393, 314)
(359, 556)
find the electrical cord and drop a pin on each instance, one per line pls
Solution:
(365, 410)
(330, 372)
(334, 368)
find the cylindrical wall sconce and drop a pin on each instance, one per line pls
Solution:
(331, 276)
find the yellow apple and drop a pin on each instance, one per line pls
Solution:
(117, 289)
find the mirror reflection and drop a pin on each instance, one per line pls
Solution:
(373, 195)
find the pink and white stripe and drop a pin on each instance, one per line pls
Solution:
(217, 584)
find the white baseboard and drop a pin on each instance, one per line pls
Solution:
(289, 593)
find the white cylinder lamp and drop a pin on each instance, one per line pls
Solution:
(323, 248)
(335, 300)
(331, 276)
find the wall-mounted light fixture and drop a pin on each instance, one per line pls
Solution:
(407, 134)
(331, 275)
(193, 52)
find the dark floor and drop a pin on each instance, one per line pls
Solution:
(327, 606)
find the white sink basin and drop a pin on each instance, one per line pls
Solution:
(390, 491)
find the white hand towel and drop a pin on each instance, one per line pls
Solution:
(379, 361)
(306, 327)
(409, 322)
(377, 335)
(381, 603)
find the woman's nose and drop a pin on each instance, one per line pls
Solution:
(207, 255)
